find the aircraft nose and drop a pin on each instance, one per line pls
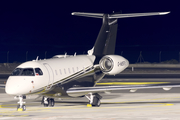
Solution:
(9, 89)
(18, 85)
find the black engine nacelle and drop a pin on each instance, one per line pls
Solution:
(113, 64)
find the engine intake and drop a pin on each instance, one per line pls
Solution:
(113, 64)
(106, 64)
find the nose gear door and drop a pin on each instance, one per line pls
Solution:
(51, 76)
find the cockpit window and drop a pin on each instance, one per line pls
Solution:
(23, 72)
(16, 72)
(27, 72)
(38, 71)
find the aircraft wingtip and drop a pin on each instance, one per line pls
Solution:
(164, 13)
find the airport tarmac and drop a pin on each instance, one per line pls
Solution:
(114, 106)
(148, 104)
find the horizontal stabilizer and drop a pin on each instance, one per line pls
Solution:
(94, 15)
(113, 15)
(136, 15)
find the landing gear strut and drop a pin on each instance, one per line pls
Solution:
(94, 99)
(21, 106)
(48, 102)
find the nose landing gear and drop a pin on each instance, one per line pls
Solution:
(21, 106)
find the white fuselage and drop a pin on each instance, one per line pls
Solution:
(54, 71)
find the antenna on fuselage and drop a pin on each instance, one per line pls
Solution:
(65, 55)
(75, 54)
(37, 58)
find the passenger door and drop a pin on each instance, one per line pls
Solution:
(51, 76)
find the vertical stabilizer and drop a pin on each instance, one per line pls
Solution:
(106, 40)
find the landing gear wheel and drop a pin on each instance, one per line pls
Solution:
(94, 99)
(21, 107)
(51, 102)
(18, 107)
(24, 108)
(45, 105)
(96, 102)
(46, 102)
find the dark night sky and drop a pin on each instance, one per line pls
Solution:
(42, 26)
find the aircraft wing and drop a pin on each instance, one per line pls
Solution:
(2, 86)
(86, 90)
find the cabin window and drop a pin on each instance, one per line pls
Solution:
(69, 70)
(73, 70)
(60, 72)
(65, 71)
(38, 71)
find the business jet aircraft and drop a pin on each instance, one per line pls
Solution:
(77, 75)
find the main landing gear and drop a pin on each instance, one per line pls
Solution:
(48, 102)
(94, 100)
(21, 106)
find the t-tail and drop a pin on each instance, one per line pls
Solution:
(106, 40)
(104, 46)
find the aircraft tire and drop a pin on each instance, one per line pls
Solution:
(47, 104)
(18, 107)
(96, 102)
(51, 102)
(24, 108)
